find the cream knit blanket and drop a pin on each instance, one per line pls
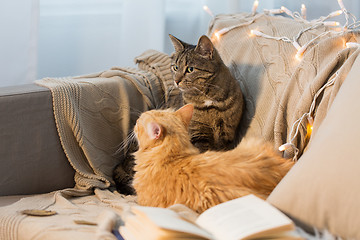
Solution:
(95, 113)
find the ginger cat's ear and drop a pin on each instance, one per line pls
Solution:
(154, 130)
(185, 113)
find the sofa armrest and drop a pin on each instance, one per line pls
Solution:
(31, 157)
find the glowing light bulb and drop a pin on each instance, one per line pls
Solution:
(273, 11)
(217, 35)
(208, 11)
(300, 52)
(284, 147)
(303, 11)
(336, 13)
(309, 127)
(255, 6)
(331, 23)
(254, 32)
(352, 45)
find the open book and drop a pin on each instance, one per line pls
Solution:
(248, 217)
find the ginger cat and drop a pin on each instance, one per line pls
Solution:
(170, 170)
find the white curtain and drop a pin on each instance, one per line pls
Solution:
(78, 36)
(55, 38)
(18, 41)
(142, 28)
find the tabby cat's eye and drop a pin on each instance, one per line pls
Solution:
(189, 69)
(175, 67)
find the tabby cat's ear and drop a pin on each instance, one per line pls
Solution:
(154, 130)
(205, 47)
(178, 44)
(185, 113)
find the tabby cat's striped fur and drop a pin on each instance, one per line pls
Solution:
(206, 82)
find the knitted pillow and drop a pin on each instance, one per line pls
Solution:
(322, 189)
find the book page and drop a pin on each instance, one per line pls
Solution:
(243, 217)
(169, 220)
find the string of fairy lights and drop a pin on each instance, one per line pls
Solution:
(335, 28)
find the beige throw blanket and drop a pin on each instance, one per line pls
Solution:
(95, 113)
(79, 215)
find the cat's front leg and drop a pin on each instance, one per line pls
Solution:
(202, 137)
(203, 146)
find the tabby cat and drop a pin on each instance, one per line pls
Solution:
(169, 169)
(206, 82)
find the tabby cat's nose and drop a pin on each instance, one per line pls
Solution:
(178, 80)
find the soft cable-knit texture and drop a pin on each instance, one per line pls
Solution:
(95, 113)
(278, 89)
(159, 64)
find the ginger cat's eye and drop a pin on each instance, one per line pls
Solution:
(175, 67)
(189, 69)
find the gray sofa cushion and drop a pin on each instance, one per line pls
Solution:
(32, 159)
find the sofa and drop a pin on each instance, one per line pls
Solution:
(60, 137)
(29, 140)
